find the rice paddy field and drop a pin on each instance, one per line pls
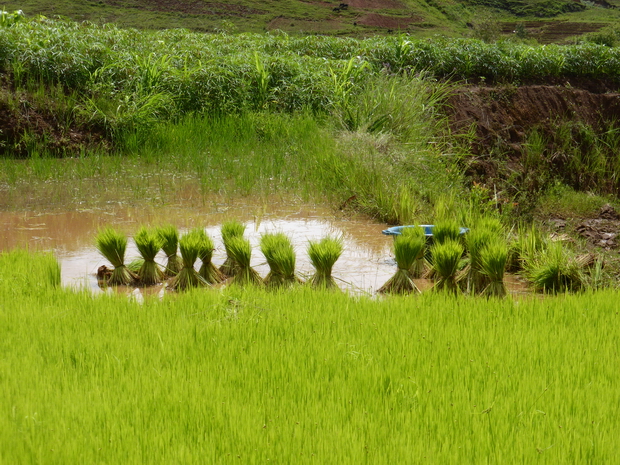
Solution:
(336, 139)
(301, 376)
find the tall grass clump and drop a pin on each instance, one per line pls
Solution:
(28, 273)
(208, 270)
(240, 251)
(112, 245)
(323, 255)
(169, 236)
(446, 260)
(554, 270)
(408, 250)
(230, 230)
(493, 258)
(189, 245)
(527, 243)
(149, 244)
(280, 255)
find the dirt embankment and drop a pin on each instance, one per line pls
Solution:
(501, 117)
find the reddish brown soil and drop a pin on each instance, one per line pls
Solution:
(503, 115)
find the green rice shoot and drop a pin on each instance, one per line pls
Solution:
(208, 270)
(240, 251)
(230, 230)
(446, 230)
(493, 258)
(280, 255)
(169, 235)
(476, 240)
(446, 260)
(408, 248)
(554, 270)
(149, 242)
(323, 255)
(112, 245)
(190, 245)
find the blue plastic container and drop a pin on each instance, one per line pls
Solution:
(428, 230)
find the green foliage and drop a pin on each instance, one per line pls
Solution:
(554, 270)
(493, 259)
(446, 261)
(409, 251)
(169, 236)
(207, 270)
(230, 230)
(190, 246)
(112, 246)
(323, 255)
(281, 364)
(24, 272)
(280, 255)
(240, 251)
(149, 243)
(446, 230)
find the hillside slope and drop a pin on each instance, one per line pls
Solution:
(563, 18)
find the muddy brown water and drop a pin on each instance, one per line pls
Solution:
(365, 265)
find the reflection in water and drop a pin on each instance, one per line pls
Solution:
(364, 265)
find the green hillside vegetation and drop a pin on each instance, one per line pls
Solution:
(544, 19)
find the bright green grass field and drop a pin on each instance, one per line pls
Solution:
(247, 376)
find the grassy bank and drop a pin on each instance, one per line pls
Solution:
(211, 377)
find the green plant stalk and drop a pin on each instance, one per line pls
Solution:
(207, 270)
(112, 245)
(280, 255)
(241, 252)
(446, 260)
(493, 258)
(170, 244)
(188, 278)
(408, 247)
(230, 230)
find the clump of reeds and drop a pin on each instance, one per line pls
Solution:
(188, 277)
(323, 255)
(280, 255)
(170, 244)
(554, 270)
(493, 258)
(240, 251)
(149, 244)
(230, 230)
(112, 245)
(208, 271)
(408, 249)
(446, 260)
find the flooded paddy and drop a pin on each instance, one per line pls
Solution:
(365, 264)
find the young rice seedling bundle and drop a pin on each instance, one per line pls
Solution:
(170, 243)
(493, 258)
(408, 247)
(446, 260)
(230, 230)
(149, 243)
(240, 251)
(190, 245)
(208, 271)
(323, 254)
(112, 245)
(280, 255)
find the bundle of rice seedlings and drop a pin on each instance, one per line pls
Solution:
(554, 270)
(230, 230)
(189, 245)
(408, 249)
(240, 251)
(112, 245)
(323, 254)
(476, 240)
(446, 260)
(493, 258)
(527, 243)
(208, 271)
(149, 243)
(280, 255)
(445, 230)
(170, 243)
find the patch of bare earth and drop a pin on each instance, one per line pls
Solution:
(502, 116)
(389, 22)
